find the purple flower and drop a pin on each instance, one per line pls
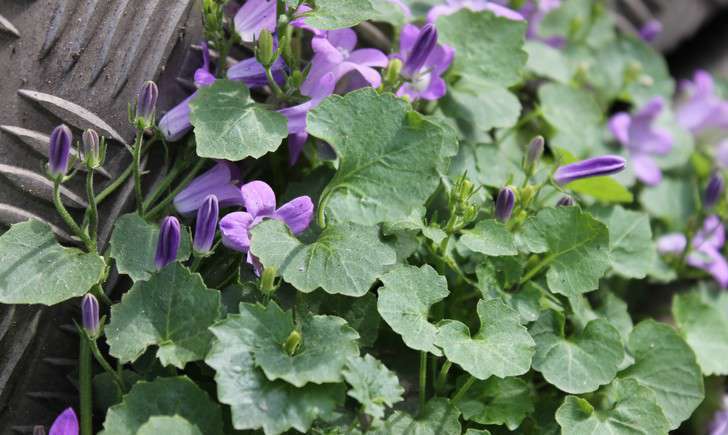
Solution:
(59, 150)
(535, 150)
(719, 424)
(643, 140)
(206, 225)
(221, 180)
(90, 314)
(168, 242)
(704, 251)
(722, 154)
(594, 167)
(504, 204)
(335, 53)
(453, 6)
(255, 16)
(176, 123)
(252, 73)
(534, 12)
(713, 191)
(260, 203)
(650, 30)
(700, 109)
(66, 423)
(425, 82)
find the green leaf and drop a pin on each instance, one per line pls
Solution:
(477, 109)
(502, 347)
(388, 12)
(360, 313)
(256, 402)
(345, 259)
(489, 48)
(134, 243)
(673, 201)
(172, 311)
(372, 385)
(440, 417)
(326, 344)
(404, 303)
(665, 364)
(489, 237)
(389, 156)
(497, 401)
(627, 409)
(35, 269)
(576, 247)
(337, 14)
(574, 115)
(547, 61)
(168, 425)
(705, 328)
(631, 251)
(230, 125)
(495, 167)
(580, 363)
(164, 397)
(603, 189)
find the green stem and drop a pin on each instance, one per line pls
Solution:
(423, 379)
(196, 260)
(68, 219)
(111, 188)
(463, 389)
(536, 269)
(97, 291)
(188, 178)
(521, 122)
(137, 155)
(277, 91)
(164, 184)
(105, 365)
(92, 207)
(84, 387)
(442, 377)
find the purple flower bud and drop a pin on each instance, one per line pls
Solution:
(90, 314)
(565, 201)
(206, 224)
(713, 191)
(650, 30)
(147, 103)
(91, 143)
(39, 430)
(168, 243)
(594, 167)
(421, 50)
(504, 204)
(535, 149)
(59, 150)
(65, 424)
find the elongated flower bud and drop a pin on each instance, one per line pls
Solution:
(206, 225)
(594, 167)
(59, 150)
(90, 314)
(421, 50)
(93, 149)
(504, 204)
(168, 243)
(535, 150)
(147, 103)
(713, 191)
(265, 50)
(39, 430)
(650, 30)
(565, 201)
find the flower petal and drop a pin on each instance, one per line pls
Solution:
(234, 228)
(368, 57)
(674, 243)
(342, 38)
(646, 169)
(176, 122)
(252, 73)
(65, 424)
(297, 214)
(619, 126)
(711, 261)
(295, 146)
(711, 235)
(258, 198)
(255, 16)
(220, 180)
